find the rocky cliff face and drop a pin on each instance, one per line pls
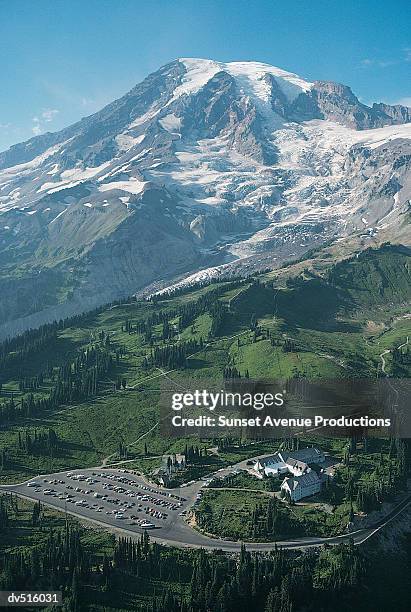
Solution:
(398, 113)
(335, 102)
(200, 164)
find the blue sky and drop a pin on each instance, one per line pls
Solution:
(64, 59)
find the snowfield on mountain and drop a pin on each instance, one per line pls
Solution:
(203, 168)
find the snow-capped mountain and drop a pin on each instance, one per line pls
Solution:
(201, 164)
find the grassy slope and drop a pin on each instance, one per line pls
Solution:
(328, 317)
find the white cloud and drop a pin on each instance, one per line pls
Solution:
(385, 63)
(366, 62)
(88, 102)
(49, 114)
(406, 101)
(46, 116)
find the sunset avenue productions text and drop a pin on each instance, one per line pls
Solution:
(268, 421)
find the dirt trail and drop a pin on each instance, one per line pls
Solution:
(383, 361)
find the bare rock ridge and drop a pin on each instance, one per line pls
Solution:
(203, 164)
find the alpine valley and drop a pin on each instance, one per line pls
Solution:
(203, 170)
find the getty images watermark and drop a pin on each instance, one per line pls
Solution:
(258, 401)
(227, 399)
(275, 408)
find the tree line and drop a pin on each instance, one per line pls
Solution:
(76, 380)
(142, 575)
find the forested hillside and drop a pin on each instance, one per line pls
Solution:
(91, 383)
(40, 549)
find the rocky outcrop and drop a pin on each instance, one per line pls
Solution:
(398, 113)
(201, 162)
(278, 99)
(335, 102)
(208, 112)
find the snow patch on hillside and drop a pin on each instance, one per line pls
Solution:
(132, 186)
(72, 177)
(126, 141)
(171, 123)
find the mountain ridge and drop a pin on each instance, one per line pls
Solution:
(240, 165)
(397, 113)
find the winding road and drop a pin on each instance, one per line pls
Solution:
(383, 362)
(175, 531)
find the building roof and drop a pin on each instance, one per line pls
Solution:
(272, 459)
(305, 480)
(307, 455)
(295, 463)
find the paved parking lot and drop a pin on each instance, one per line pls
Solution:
(121, 500)
(116, 497)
